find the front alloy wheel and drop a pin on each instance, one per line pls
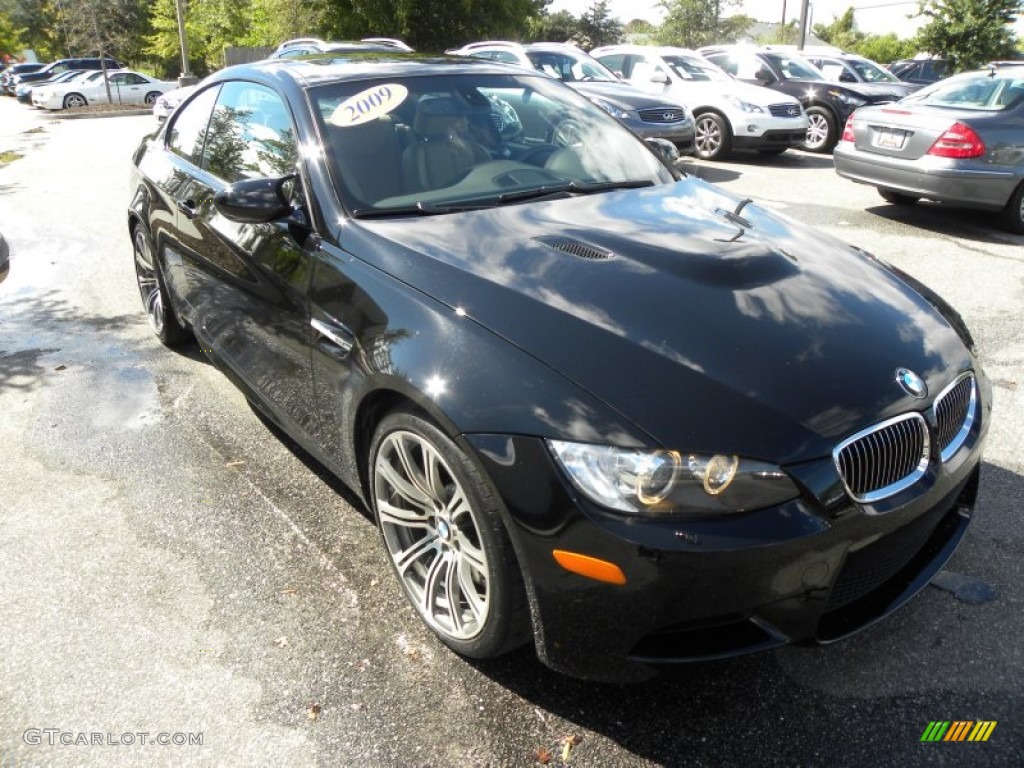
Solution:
(74, 101)
(444, 536)
(711, 136)
(821, 130)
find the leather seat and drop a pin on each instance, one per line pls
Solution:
(369, 159)
(441, 153)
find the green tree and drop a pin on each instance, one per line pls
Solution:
(840, 32)
(969, 32)
(598, 27)
(38, 27)
(552, 27)
(886, 48)
(639, 27)
(693, 23)
(106, 28)
(10, 37)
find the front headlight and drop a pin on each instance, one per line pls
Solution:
(642, 482)
(848, 99)
(744, 106)
(611, 109)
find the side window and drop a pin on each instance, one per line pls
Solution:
(746, 67)
(616, 63)
(505, 56)
(187, 133)
(642, 70)
(130, 78)
(728, 63)
(250, 134)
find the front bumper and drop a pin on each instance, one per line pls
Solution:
(816, 569)
(934, 178)
(680, 133)
(751, 131)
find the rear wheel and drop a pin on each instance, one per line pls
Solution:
(442, 529)
(162, 317)
(151, 98)
(821, 130)
(1013, 213)
(712, 137)
(897, 198)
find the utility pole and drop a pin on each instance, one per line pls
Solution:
(782, 27)
(186, 77)
(803, 23)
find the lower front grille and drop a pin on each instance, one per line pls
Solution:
(884, 459)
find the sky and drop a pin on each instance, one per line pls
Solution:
(873, 16)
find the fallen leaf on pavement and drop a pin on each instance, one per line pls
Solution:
(313, 711)
(542, 755)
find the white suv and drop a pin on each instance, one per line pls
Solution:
(728, 114)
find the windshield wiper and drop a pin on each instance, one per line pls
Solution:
(422, 208)
(572, 187)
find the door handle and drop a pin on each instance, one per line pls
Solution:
(340, 336)
(188, 207)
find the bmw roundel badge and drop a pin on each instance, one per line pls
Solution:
(911, 383)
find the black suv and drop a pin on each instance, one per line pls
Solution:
(827, 104)
(7, 78)
(921, 71)
(63, 65)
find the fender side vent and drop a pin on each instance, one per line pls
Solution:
(575, 248)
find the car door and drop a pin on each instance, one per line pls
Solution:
(246, 284)
(128, 87)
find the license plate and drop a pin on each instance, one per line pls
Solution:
(890, 138)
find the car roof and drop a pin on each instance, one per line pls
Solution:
(318, 68)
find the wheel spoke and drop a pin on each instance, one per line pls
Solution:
(430, 585)
(412, 474)
(407, 557)
(469, 589)
(403, 518)
(401, 486)
(473, 556)
(453, 596)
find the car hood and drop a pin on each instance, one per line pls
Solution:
(621, 95)
(713, 91)
(887, 90)
(711, 330)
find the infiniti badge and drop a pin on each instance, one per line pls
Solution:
(912, 384)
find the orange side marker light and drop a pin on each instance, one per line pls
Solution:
(591, 567)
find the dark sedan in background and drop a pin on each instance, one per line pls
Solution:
(589, 401)
(960, 141)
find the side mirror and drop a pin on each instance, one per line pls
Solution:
(764, 76)
(665, 149)
(660, 77)
(254, 201)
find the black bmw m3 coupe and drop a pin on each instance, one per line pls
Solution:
(591, 401)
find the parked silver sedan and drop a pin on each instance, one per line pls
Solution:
(959, 141)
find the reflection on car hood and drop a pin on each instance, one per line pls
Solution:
(710, 331)
(621, 95)
(891, 90)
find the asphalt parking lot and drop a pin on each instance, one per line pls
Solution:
(171, 566)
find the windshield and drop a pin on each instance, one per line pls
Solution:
(694, 69)
(569, 68)
(427, 145)
(984, 92)
(870, 72)
(796, 68)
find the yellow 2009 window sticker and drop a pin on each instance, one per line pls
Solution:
(368, 105)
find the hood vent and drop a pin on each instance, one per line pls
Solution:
(575, 248)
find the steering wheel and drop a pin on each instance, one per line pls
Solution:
(567, 133)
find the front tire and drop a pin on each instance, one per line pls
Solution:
(1013, 213)
(821, 130)
(162, 317)
(712, 138)
(75, 101)
(897, 198)
(442, 529)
